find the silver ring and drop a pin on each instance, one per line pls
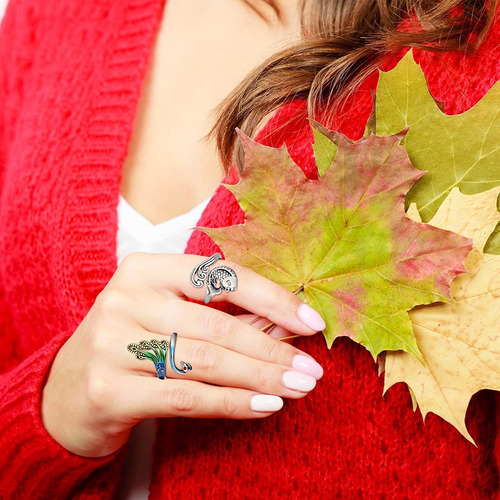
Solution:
(225, 276)
(156, 351)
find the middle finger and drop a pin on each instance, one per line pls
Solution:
(161, 314)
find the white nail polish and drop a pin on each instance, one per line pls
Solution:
(298, 381)
(266, 402)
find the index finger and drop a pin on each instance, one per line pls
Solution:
(254, 292)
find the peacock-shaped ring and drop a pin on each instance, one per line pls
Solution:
(156, 351)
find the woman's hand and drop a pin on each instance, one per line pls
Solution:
(97, 390)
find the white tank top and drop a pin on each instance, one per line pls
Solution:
(137, 234)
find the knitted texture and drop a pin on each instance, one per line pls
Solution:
(70, 78)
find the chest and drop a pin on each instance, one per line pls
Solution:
(202, 50)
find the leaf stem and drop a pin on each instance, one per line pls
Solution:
(290, 337)
(269, 325)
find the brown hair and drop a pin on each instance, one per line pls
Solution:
(342, 42)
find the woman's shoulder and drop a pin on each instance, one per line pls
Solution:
(457, 79)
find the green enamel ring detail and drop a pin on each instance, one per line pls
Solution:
(156, 351)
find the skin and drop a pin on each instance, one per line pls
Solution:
(96, 390)
(174, 108)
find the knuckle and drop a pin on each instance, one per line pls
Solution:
(100, 341)
(229, 405)
(261, 378)
(181, 399)
(172, 308)
(111, 300)
(217, 336)
(132, 263)
(99, 391)
(272, 350)
(218, 324)
(206, 357)
(282, 299)
(284, 296)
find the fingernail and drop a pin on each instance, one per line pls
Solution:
(298, 381)
(310, 317)
(308, 365)
(266, 402)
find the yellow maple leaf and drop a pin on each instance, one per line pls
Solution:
(460, 341)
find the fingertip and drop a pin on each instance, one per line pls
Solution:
(310, 317)
(266, 402)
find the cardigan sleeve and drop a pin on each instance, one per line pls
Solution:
(33, 464)
(497, 438)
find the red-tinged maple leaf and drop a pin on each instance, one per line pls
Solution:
(343, 240)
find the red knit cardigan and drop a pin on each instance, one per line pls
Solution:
(70, 78)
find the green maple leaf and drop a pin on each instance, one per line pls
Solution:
(343, 240)
(456, 150)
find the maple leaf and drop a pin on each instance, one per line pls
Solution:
(460, 341)
(343, 240)
(492, 244)
(456, 150)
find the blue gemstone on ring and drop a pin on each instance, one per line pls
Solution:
(160, 369)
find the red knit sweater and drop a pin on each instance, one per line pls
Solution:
(70, 77)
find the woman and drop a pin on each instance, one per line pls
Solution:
(70, 392)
